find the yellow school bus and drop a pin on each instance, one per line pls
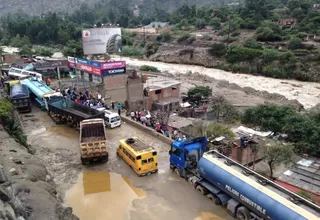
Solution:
(139, 156)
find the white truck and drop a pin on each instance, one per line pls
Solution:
(93, 140)
(112, 119)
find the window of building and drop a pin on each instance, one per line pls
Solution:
(158, 91)
(173, 88)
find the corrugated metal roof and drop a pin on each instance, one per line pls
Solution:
(305, 175)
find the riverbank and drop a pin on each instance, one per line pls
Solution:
(306, 93)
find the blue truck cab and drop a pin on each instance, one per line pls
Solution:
(185, 154)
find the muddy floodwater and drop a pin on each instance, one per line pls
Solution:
(112, 190)
(102, 195)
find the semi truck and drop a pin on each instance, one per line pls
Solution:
(245, 193)
(63, 110)
(93, 141)
(20, 98)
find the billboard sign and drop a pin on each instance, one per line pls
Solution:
(113, 65)
(71, 59)
(89, 69)
(101, 40)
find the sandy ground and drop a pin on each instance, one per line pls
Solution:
(112, 190)
(305, 92)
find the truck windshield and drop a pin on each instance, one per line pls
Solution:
(175, 151)
(114, 119)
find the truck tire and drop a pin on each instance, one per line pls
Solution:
(177, 171)
(105, 159)
(214, 199)
(85, 161)
(243, 213)
(202, 190)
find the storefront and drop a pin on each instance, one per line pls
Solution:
(95, 71)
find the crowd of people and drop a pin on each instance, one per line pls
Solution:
(150, 121)
(88, 98)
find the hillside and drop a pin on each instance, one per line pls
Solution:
(37, 7)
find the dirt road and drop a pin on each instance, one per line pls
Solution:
(112, 190)
(305, 92)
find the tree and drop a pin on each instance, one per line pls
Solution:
(205, 91)
(25, 51)
(252, 43)
(295, 43)
(44, 52)
(268, 117)
(73, 48)
(277, 154)
(222, 109)
(217, 50)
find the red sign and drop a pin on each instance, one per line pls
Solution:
(89, 69)
(113, 65)
(71, 65)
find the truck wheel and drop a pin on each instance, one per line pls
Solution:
(243, 213)
(118, 154)
(105, 159)
(84, 161)
(177, 171)
(202, 190)
(214, 199)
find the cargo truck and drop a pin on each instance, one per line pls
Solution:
(93, 141)
(245, 193)
(20, 97)
(63, 110)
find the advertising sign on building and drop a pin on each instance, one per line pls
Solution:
(89, 69)
(113, 65)
(101, 40)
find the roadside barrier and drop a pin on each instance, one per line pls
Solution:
(146, 129)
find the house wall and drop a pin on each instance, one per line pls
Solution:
(115, 87)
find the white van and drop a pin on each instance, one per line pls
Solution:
(112, 119)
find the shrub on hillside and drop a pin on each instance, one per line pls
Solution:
(241, 54)
(252, 43)
(217, 50)
(183, 37)
(149, 68)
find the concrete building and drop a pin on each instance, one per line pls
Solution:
(162, 94)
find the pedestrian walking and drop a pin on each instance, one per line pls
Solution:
(119, 108)
(112, 105)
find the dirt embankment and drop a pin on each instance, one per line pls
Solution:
(27, 191)
(185, 54)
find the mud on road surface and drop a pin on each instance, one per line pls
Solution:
(112, 190)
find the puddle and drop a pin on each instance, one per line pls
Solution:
(208, 216)
(37, 131)
(63, 131)
(102, 195)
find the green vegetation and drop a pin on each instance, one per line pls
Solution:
(305, 195)
(276, 154)
(205, 91)
(302, 129)
(149, 68)
(11, 124)
(274, 49)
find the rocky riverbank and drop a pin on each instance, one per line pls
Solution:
(27, 191)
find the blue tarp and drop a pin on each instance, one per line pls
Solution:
(19, 91)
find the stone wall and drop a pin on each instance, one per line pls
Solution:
(27, 191)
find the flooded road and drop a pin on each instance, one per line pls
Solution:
(102, 195)
(112, 190)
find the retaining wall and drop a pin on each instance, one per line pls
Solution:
(146, 129)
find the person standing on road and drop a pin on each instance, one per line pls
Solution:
(112, 105)
(119, 108)
(99, 96)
